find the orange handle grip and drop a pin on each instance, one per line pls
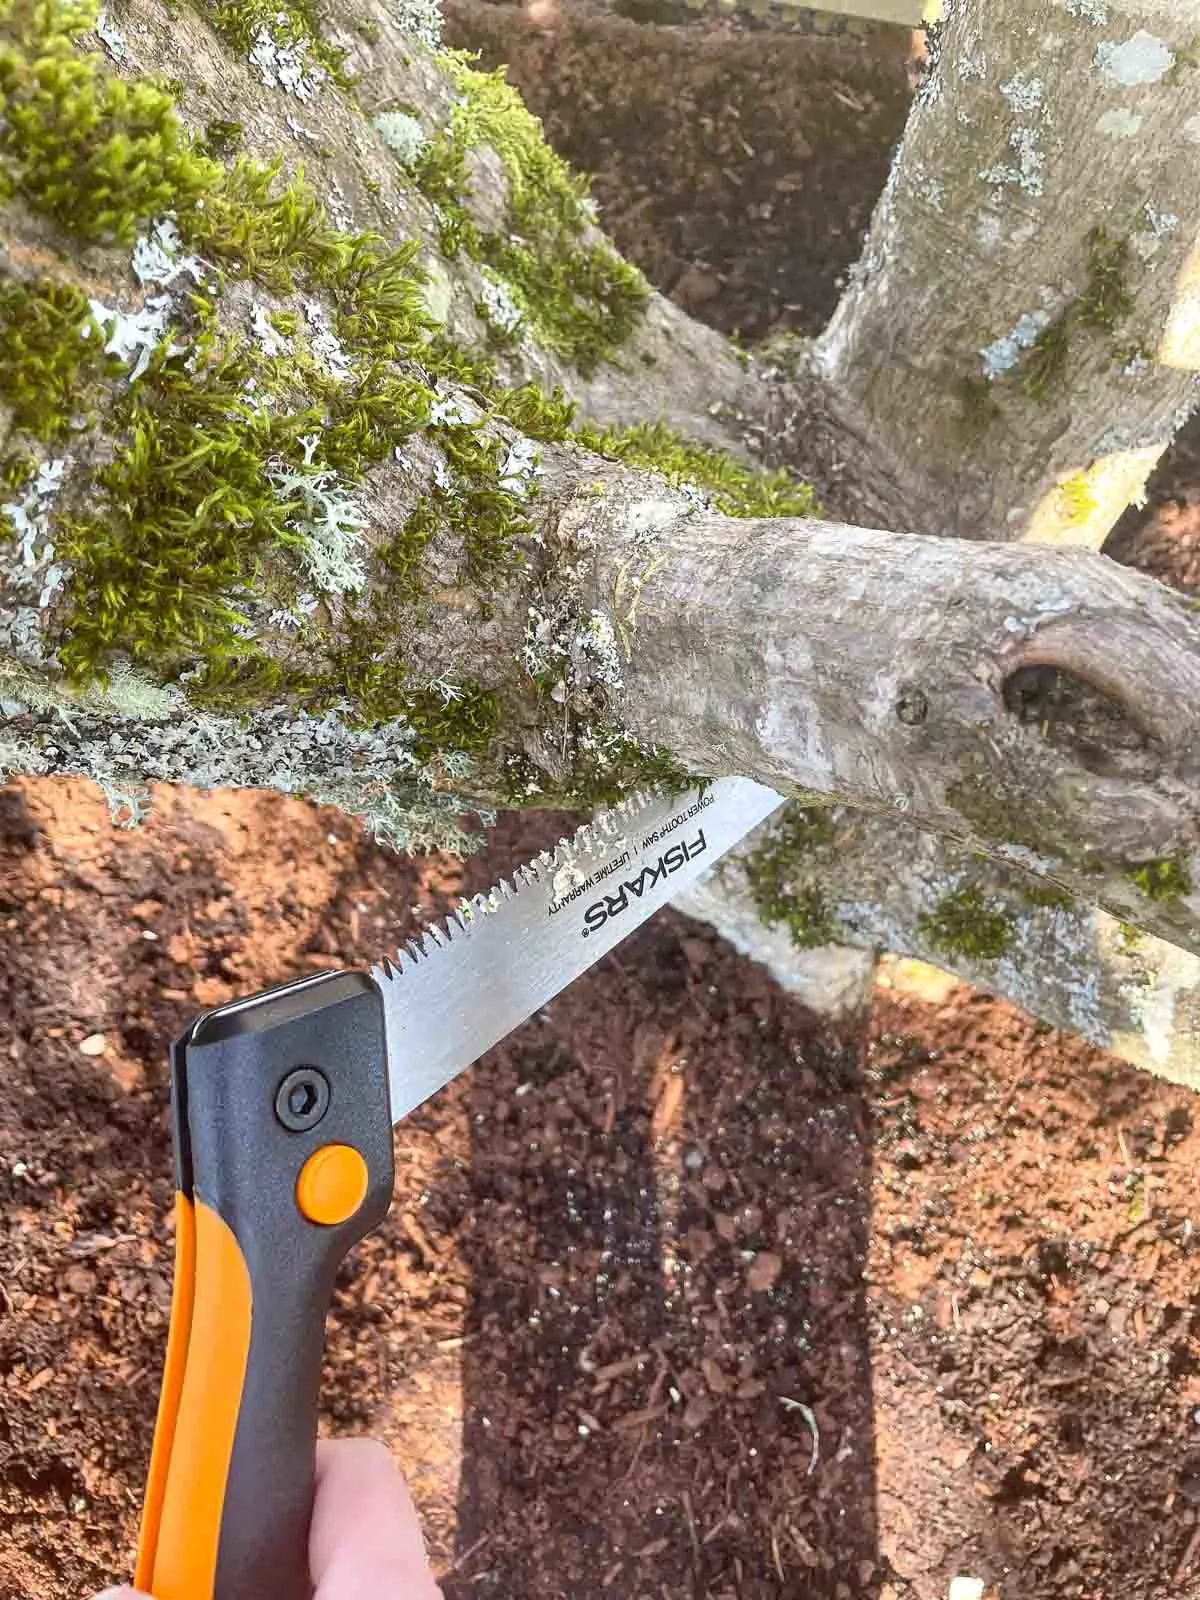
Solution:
(283, 1141)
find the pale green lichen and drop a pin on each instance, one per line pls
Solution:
(403, 135)
(283, 38)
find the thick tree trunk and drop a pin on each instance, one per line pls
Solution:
(1020, 338)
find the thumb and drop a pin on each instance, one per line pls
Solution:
(366, 1539)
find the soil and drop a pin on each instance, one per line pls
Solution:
(682, 1294)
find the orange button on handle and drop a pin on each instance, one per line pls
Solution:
(332, 1185)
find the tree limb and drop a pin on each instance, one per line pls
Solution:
(875, 884)
(1018, 342)
(1040, 704)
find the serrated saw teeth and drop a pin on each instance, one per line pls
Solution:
(501, 956)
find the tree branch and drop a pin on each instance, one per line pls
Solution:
(1040, 704)
(268, 527)
(875, 884)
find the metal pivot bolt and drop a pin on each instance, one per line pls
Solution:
(302, 1099)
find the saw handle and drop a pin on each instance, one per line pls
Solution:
(283, 1144)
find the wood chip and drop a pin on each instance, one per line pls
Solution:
(633, 1420)
(763, 1272)
(667, 1108)
(716, 1379)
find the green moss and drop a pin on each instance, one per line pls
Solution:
(187, 521)
(287, 22)
(533, 412)
(255, 228)
(245, 682)
(1048, 897)
(185, 517)
(401, 555)
(16, 469)
(97, 153)
(1046, 362)
(221, 138)
(1106, 300)
(1136, 354)
(580, 298)
(965, 925)
(771, 873)
(365, 421)
(736, 489)
(1165, 879)
(450, 361)
(488, 518)
(978, 407)
(468, 719)
(51, 353)
(367, 669)
(609, 765)
(378, 294)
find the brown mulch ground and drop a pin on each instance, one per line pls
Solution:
(681, 1295)
(1163, 538)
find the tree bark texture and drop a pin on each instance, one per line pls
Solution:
(953, 684)
(1021, 336)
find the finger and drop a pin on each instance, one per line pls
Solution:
(366, 1539)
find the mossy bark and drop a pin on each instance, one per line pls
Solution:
(284, 516)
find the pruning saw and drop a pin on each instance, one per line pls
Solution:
(283, 1106)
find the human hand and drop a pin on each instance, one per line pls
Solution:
(365, 1542)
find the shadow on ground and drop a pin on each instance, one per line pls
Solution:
(666, 1385)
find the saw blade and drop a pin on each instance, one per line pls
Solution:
(460, 987)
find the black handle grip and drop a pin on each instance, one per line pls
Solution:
(285, 1150)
